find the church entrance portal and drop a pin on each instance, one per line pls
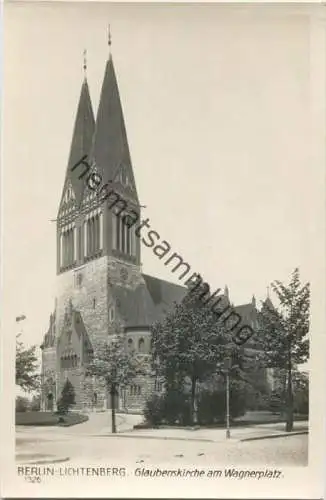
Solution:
(49, 402)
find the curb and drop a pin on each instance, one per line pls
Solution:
(273, 436)
(162, 438)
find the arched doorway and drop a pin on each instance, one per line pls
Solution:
(49, 401)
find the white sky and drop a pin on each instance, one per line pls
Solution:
(217, 104)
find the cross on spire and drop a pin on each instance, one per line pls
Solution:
(85, 62)
(109, 39)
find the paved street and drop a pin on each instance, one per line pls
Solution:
(92, 443)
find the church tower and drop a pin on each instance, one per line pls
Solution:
(98, 257)
(101, 289)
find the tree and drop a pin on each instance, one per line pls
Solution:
(284, 332)
(115, 366)
(301, 392)
(26, 366)
(190, 343)
(67, 398)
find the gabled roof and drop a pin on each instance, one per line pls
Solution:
(110, 145)
(164, 295)
(135, 306)
(49, 337)
(81, 141)
(248, 313)
(148, 303)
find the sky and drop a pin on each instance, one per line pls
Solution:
(218, 105)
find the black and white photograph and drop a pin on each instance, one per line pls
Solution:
(163, 237)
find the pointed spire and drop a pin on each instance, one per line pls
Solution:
(268, 301)
(226, 291)
(110, 144)
(81, 139)
(253, 301)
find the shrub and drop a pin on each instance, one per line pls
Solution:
(153, 411)
(36, 403)
(301, 393)
(301, 401)
(276, 402)
(171, 408)
(67, 399)
(22, 404)
(177, 408)
(256, 400)
(212, 404)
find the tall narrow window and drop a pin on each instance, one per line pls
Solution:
(114, 231)
(133, 241)
(89, 237)
(75, 243)
(123, 235)
(79, 245)
(141, 345)
(61, 250)
(85, 238)
(72, 245)
(101, 230)
(97, 232)
(118, 233)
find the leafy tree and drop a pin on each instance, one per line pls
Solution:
(67, 398)
(26, 366)
(284, 332)
(190, 344)
(112, 363)
(301, 392)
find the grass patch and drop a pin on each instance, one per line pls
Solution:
(40, 418)
(241, 422)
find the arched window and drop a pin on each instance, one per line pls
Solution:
(93, 234)
(67, 247)
(141, 345)
(123, 232)
(130, 344)
(123, 176)
(135, 390)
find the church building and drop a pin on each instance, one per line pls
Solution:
(101, 288)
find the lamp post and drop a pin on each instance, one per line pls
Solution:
(227, 366)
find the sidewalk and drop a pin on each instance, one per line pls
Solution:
(213, 435)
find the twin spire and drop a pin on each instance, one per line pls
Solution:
(104, 140)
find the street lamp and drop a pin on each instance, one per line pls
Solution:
(227, 366)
